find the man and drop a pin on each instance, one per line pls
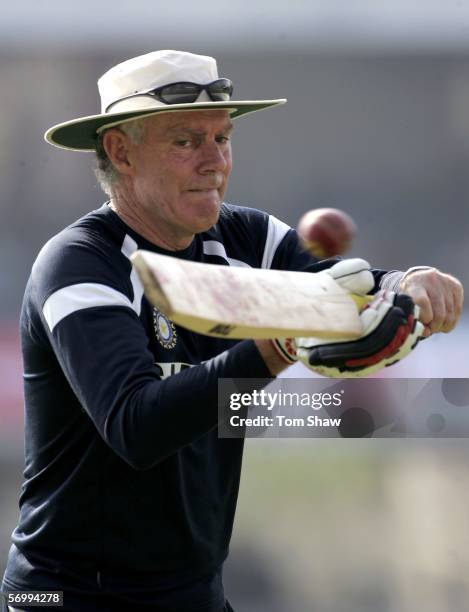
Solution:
(129, 494)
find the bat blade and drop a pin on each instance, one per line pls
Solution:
(237, 302)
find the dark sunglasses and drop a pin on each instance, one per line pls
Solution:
(186, 92)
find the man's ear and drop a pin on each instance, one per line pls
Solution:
(116, 144)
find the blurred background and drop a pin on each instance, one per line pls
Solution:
(377, 123)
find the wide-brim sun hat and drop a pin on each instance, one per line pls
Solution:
(126, 92)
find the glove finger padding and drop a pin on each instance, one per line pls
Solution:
(353, 275)
(390, 332)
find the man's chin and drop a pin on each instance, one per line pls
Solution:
(208, 215)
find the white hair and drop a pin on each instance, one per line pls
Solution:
(105, 172)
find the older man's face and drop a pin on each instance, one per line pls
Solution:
(182, 170)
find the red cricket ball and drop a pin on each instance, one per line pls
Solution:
(326, 232)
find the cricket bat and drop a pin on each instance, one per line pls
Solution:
(238, 302)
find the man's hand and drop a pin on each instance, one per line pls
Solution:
(440, 298)
(390, 330)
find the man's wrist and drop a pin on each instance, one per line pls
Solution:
(286, 349)
(273, 360)
(408, 272)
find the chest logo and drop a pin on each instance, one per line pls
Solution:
(165, 330)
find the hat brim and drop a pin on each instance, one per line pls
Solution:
(80, 134)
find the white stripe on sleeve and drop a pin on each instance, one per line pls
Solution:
(276, 231)
(70, 299)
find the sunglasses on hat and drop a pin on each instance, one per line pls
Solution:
(185, 92)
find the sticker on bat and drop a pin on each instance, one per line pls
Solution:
(222, 330)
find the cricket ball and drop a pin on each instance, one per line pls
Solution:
(326, 232)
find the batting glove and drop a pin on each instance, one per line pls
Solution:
(390, 330)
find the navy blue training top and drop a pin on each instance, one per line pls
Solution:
(126, 481)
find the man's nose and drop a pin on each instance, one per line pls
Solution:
(213, 157)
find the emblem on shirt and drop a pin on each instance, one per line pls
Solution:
(164, 329)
